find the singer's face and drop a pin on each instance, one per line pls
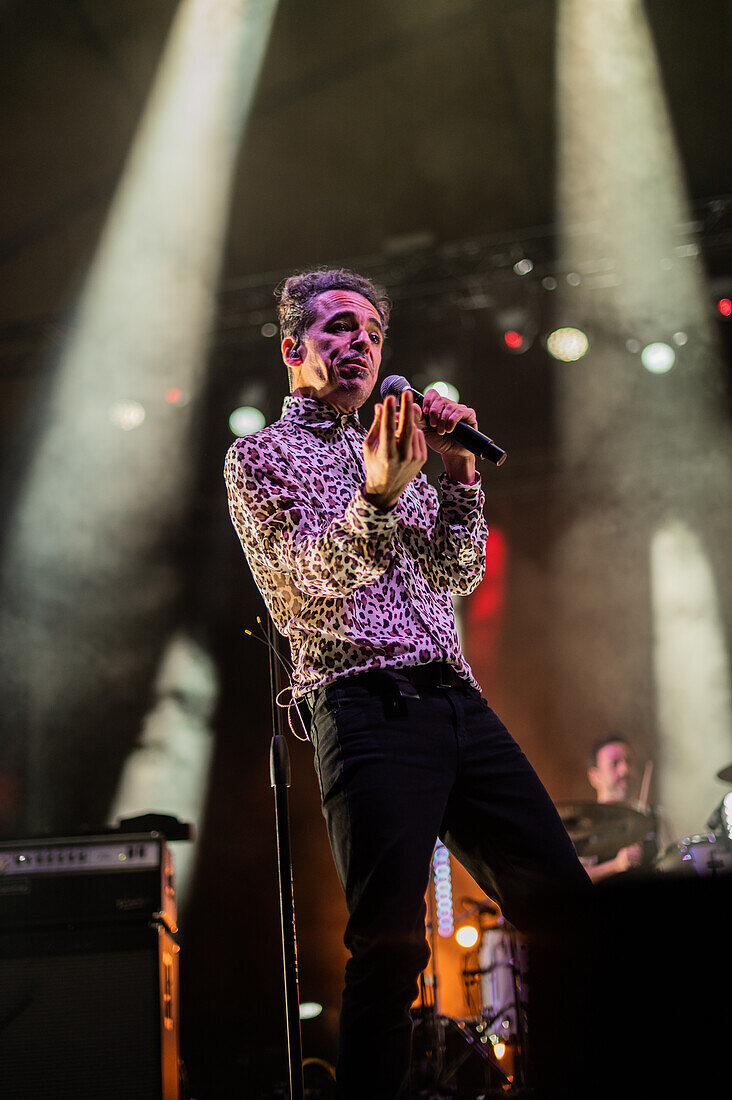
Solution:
(338, 358)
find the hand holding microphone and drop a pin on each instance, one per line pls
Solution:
(463, 433)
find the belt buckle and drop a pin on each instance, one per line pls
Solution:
(400, 684)
(406, 688)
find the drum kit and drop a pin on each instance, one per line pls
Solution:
(708, 853)
(600, 830)
(484, 1054)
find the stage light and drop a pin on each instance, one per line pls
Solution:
(516, 321)
(269, 330)
(567, 344)
(523, 267)
(309, 1010)
(246, 419)
(127, 415)
(446, 389)
(658, 358)
(467, 936)
(513, 340)
(174, 395)
(499, 1049)
(443, 889)
(724, 306)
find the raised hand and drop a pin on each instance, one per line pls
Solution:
(394, 450)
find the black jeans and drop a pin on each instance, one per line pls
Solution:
(400, 762)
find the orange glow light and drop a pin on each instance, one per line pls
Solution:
(467, 936)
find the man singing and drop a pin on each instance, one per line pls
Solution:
(357, 558)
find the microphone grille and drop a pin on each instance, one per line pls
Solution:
(395, 384)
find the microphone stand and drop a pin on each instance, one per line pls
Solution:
(279, 773)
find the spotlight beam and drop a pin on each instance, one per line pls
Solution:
(90, 567)
(692, 671)
(637, 450)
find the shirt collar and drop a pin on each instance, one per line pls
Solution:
(316, 414)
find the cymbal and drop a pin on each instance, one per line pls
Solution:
(725, 774)
(603, 828)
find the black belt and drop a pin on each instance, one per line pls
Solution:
(437, 674)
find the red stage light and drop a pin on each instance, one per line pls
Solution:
(724, 305)
(513, 340)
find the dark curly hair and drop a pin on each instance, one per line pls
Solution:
(296, 297)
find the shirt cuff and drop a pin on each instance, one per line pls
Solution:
(459, 488)
(368, 519)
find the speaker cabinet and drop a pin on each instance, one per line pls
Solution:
(89, 1013)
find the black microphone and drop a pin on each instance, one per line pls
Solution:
(467, 436)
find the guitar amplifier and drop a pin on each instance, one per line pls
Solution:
(115, 878)
(88, 969)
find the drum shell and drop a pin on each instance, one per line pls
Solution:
(704, 854)
(503, 954)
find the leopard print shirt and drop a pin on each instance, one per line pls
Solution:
(351, 586)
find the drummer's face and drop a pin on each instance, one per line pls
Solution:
(613, 773)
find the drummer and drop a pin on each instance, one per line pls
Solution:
(611, 772)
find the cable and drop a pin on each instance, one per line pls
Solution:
(288, 669)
